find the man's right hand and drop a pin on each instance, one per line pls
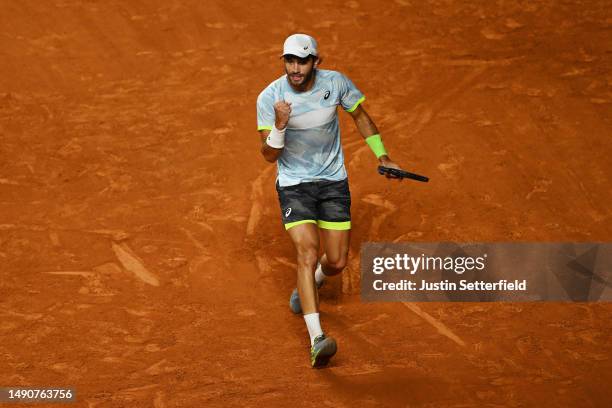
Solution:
(282, 110)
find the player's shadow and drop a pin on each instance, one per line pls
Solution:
(386, 386)
(389, 387)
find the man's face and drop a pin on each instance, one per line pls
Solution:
(299, 70)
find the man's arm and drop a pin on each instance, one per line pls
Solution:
(282, 110)
(269, 153)
(367, 128)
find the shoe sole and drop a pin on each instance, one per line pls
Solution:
(326, 352)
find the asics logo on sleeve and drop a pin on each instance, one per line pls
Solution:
(288, 212)
(326, 96)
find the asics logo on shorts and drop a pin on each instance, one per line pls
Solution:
(287, 212)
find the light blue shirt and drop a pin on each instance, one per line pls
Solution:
(312, 140)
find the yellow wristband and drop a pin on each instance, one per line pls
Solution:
(376, 144)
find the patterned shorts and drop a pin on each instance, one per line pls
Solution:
(325, 203)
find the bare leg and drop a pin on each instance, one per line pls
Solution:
(305, 237)
(336, 251)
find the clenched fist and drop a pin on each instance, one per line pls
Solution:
(282, 110)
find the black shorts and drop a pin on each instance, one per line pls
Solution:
(325, 203)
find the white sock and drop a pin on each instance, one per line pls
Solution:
(314, 326)
(319, 275)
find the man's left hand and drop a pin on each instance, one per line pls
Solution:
(387, 162)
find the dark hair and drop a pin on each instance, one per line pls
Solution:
(290, 56)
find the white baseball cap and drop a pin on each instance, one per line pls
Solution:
(301, 45)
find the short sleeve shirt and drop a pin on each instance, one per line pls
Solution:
(312, 140)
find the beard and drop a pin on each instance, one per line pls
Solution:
(302, 79)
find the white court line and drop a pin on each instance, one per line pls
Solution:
(442, 329)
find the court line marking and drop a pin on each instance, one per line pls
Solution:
(441, 327)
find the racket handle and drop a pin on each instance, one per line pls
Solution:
(402, 174)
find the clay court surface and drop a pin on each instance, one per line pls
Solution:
(142, 256)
